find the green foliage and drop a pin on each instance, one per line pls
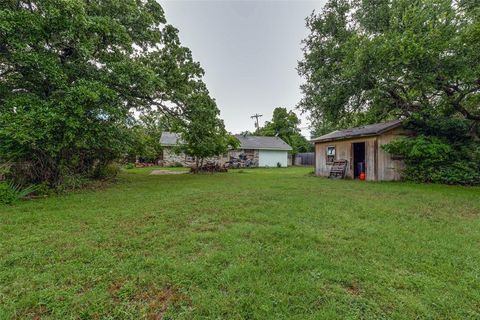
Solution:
(10, 192)
(367, 61)
(203, 133)
(72, 74)
(145, 137)
(4, 170)
(7, 194)
(285, 124)
(130, 166)
(43, 189)
(72, 182)
(433, 159)
(108, 171)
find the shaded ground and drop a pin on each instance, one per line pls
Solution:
(248, 244)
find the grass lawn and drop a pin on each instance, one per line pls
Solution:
(251, 244)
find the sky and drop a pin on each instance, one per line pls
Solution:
(249, 51)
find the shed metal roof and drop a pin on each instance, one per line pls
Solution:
(369, 130)
(262, 142)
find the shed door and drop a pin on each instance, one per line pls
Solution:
(270, 158)
(359, 163)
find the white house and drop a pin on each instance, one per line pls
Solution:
(265, 151)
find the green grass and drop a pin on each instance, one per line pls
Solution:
(251, 244)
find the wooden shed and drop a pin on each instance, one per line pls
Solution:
(361, 148)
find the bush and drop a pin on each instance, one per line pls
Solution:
(43, 189)
(7, 195)
(437, 160)
(457, 173)
(72, 183)
(130, 166)
(279, 165)
(108, 171)
(10, 193)
(4, 170)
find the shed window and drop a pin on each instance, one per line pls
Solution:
(330, 154)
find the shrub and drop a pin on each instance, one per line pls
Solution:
(108, 171)
(43, 189)
(130, 166)
(279, 165)
(72, 183)
(4, 170)
(457, 173)
(10, 193)
(7, 195)
(437, 160)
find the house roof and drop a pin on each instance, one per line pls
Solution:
(246, 142)
(369, 130)
(170, 139)
(262, 142)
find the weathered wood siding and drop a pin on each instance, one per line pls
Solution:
(379, 164)
(388, 168)
(343, 149)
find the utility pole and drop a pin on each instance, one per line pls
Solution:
(256, 116)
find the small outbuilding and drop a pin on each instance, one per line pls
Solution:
(361, 148)
(265, 151)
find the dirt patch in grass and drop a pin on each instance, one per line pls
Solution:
(354, 290)
(158, 301)
(115, 288)
(34, 313)
(153, 301)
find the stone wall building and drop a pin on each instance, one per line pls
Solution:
(258, 151)
(172, 157)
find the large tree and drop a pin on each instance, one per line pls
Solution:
(372, 60)
(72, 73)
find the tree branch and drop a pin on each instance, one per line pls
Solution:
(456, 102)
(402, 103)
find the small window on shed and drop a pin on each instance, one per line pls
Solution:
(330, 154)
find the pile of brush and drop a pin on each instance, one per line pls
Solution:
(210, 167)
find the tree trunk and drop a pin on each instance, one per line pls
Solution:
(196, 164)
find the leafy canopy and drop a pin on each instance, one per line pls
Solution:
(145, 136)
(203, 133)
(372, 60)
(73, 72)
